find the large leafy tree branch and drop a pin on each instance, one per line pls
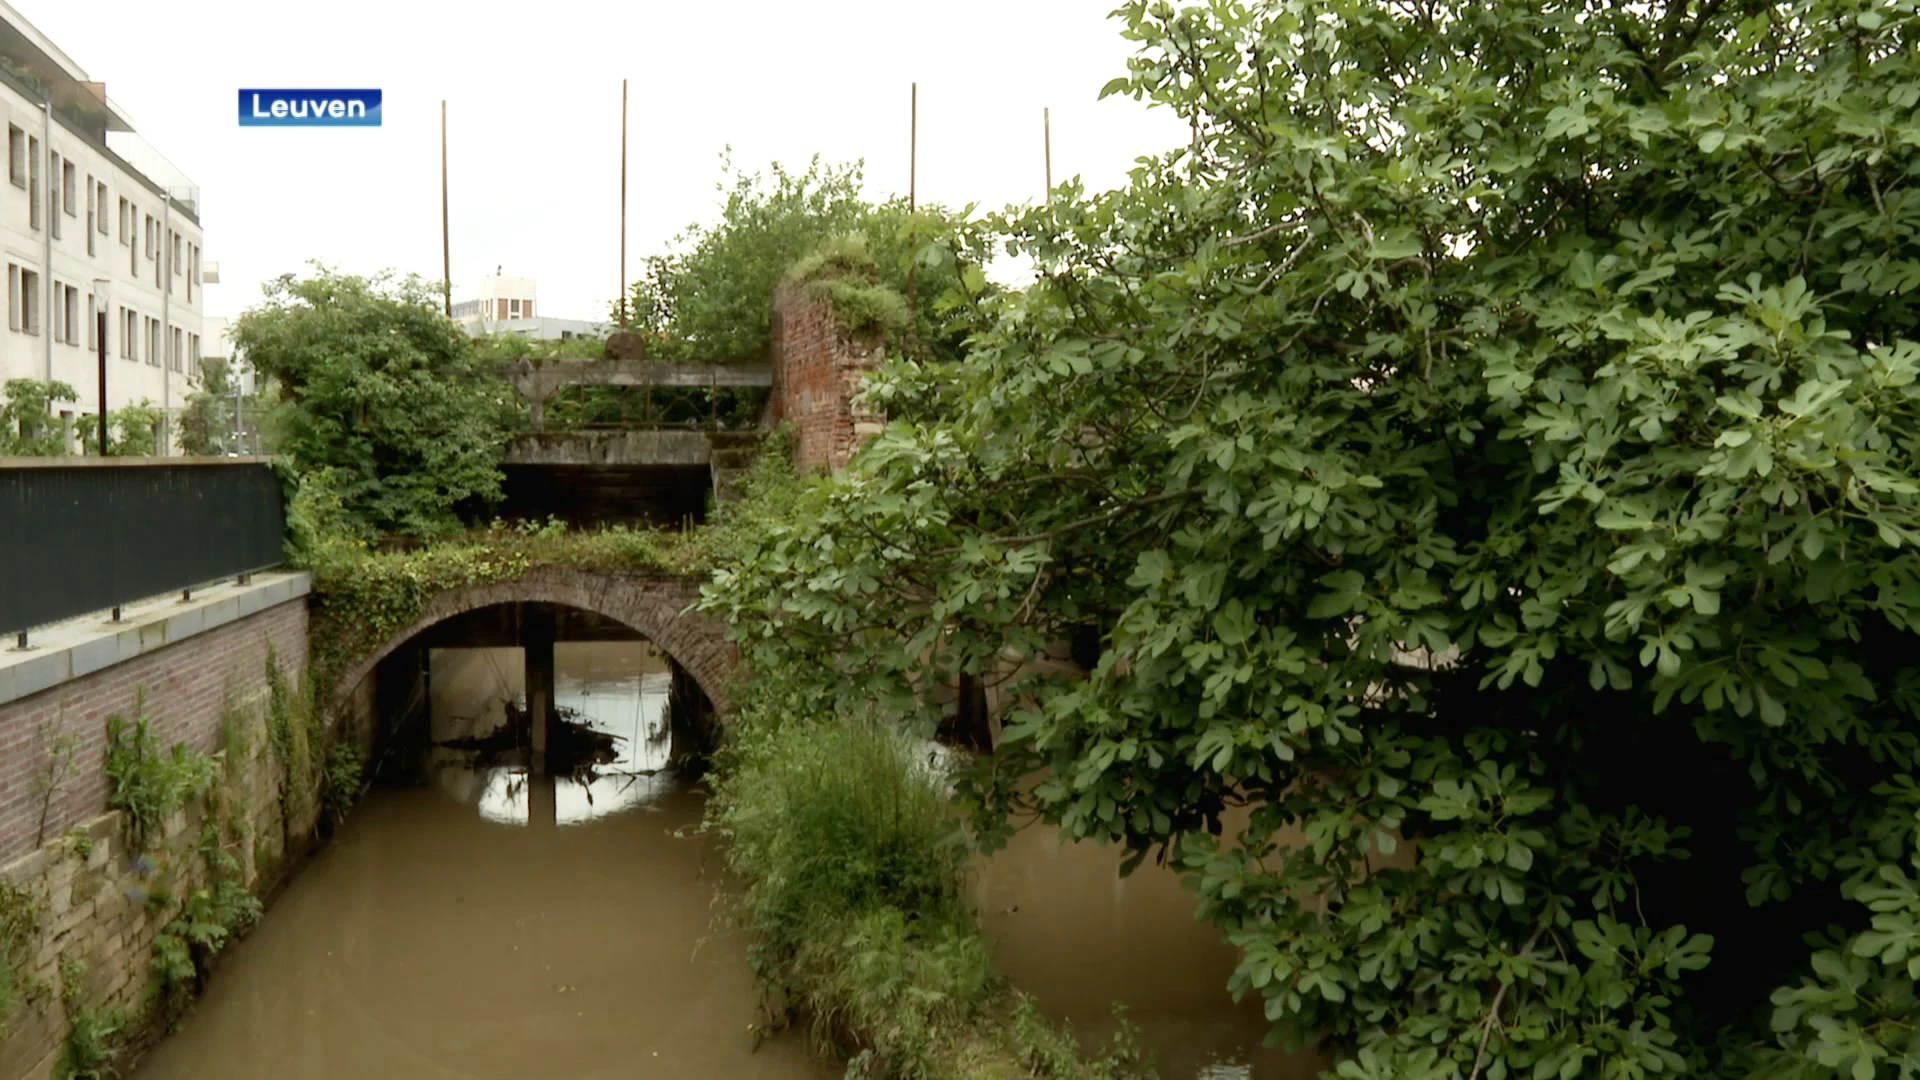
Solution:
(1492, 431)
(379, 388)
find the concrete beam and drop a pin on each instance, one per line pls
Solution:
(611, 448)
(537, 383)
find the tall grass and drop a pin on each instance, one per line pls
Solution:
(852, 866)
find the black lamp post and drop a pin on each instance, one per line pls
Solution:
(100, 341)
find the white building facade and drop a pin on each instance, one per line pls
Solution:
(505, 305)
(91, 213)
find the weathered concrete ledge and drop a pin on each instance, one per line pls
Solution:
(690, 448)
(79, 647)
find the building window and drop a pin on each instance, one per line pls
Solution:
(153, 342)
(513, 309)
(100, 203)
(179, 254)
(16, 156)
(53, 195)
(66, 312)
(526, 309)
(33, 182)
(23, 299)
(93, 325)
(500, 309)
(126, 222)
(129, 335)
(69, 189)
(193, 354)
(176, 349)
(152, 242)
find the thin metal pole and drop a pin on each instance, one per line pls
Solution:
(913, 177)
(446, 257)
(1046, 128)
(43, 164)
(623, 204)
(100, 334)
(166, 330)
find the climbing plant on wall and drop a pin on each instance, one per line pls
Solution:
(1491, 431)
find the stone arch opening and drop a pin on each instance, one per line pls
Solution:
(377, 689)
(655, 606)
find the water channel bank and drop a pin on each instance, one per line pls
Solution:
(473, 925)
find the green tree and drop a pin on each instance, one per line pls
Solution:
(1493, 432)
(375, 384)
(28, 427)
(507, 347)
(132, 431)
(206, 423)
(711, 298)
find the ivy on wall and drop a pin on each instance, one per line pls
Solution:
(363, 597)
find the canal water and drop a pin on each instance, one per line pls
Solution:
(477, 926)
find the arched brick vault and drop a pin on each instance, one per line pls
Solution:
(653, 605)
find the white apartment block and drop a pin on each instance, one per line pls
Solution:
(504, 305)
(90, 209)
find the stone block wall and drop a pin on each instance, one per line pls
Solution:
(96, 900)
(818, 369)
(101, 902)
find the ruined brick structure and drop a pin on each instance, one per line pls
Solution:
(818, 368)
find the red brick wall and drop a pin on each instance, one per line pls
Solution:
(187, 687)
(817, 371)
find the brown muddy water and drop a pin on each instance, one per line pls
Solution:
(477, 926)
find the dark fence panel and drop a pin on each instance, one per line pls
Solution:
(76, 538)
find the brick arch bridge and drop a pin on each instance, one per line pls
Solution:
(653, 605)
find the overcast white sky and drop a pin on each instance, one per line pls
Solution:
(533, 104)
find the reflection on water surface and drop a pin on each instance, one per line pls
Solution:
(439, 936)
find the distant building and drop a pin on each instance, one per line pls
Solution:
(505, 305)
(91, 207)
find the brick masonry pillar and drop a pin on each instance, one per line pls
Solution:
(818, 372)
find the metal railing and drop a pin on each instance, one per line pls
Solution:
(80, 535)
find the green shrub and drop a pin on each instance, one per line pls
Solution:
(842, 270)
(93, 1033)
(827, 819)
(20, 912)
(853, 861)
(145, 783)
(345, 764)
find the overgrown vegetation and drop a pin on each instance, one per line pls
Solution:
(378, 389)
(57, 749)
(94, 1033)
(492, 349)
(20, 915)
(296, 729)
(345, 764)
(852, 860)
(210, 915)
(364, 597)
(145, 783)
(1489, 431)
(842, 270)
(711, 298)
